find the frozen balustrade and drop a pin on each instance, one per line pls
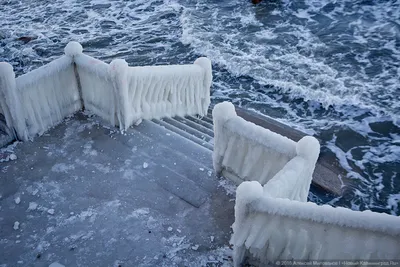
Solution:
(271, 229)
(120, 94)
(273, 220)
(244, 151)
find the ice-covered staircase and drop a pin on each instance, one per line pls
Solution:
(147, 196)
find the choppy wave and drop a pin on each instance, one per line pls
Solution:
(329, 68)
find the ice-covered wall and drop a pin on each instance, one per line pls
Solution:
(276, 229)
(244, 151)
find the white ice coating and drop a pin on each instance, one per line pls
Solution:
(9, 100)
(159, 91)
(271, 229)
(97, 87)
(119, 94)
(47, 95)
(244, 151)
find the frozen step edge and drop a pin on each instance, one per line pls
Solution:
(199, 120)
(163, 136)
(185, 165)
(181, 187)
(189, 129)
(182, 133)
(168, 179)
(197, 126)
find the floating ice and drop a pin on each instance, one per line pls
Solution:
(50, 211)
(16, 225)
(17, 200)
(145, 165)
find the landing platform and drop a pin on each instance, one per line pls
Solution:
(86, 195)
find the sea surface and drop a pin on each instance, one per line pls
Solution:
(328, 68)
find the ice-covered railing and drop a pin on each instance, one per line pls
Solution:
(244, 151)
(41, 98)
(271, 229)
(119, 94)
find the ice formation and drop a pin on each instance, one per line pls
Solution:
(273, 221)
(244, 151)
(271, 229)
(119, 94)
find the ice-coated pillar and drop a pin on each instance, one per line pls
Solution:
(205, 63)
(10, 101)
(222, 112)
(118, 69)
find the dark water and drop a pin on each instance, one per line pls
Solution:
(329, 68)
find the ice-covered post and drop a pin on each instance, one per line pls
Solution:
(10, 101)
(205, 63)
(222, 112)
(118, 69)
(246, 193)
(308, 148)
(74, 49)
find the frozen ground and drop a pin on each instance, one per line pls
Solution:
(86, 195)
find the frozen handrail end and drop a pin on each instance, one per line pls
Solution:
(5, 67)
(73, 49)
(308, 147)
(118, 64)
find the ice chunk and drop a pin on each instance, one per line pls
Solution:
(212, 238)
(195, 247)
(17, 200)
(50, 211)
(145, 165)
(170, 229)
(16, 225)
(13, 157)
(32, 206)
(56, 264)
